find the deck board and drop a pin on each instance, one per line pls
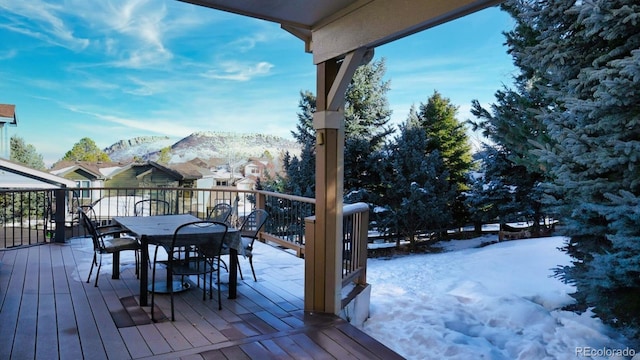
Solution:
(48, 310)
(12, 265)
(292, 348)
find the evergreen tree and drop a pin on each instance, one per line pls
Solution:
(489, 194)
(85, 150)
(367, 116)
(300, 171)
(586, 57)
(305, 134)
(514, 128)
(24, 153)
(504, 191)
(366, 127)
(417, 190)
(448, 136)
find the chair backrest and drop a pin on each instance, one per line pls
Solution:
(220, 213)
(253, 223)
(151, 207)
(90, 227)
(207, 236)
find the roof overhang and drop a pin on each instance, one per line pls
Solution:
(14, 175)
(333, 28)
(75, 168)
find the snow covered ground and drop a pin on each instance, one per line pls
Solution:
(494, 302)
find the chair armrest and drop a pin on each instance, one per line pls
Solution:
(111, 226)
(116, 231)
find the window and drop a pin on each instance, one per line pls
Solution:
(83, 192)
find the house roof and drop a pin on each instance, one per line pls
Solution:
(107, 170)
(101, 170)
(332, 28)
(18, 176)
(183, 171)
(8, 111)
(192, 170)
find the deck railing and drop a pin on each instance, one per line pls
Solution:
(25, 217)
(355, 231)
(286, 218)
(37, 216)
(30, 217)
(322, 285)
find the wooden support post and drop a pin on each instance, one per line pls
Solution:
(323, 253)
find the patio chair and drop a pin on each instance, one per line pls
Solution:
(249, 230)
(220, 213)
(107, 240)
(202, 259)
(151, 207)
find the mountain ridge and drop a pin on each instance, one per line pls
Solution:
(203, 145)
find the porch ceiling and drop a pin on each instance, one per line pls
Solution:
(333, 28)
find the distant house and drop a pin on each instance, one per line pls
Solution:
(86, 174)
(18, 176)
(218, 173)
(259, 168)
(123, 175)
(152, 174)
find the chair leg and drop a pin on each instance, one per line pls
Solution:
(204, 284)
(219, 290)
(252, 270)
(170, 285)
(137, 256)
(239, 268)
(225, 265)
(94, 261)
(210, 282)
(98, 272)
(153, 285)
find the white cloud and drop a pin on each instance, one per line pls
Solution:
(238, 71)
(157, 126)
(11, 53)
(247, 43)
(41, 20)
(134, 31)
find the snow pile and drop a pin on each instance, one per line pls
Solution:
(494, 302)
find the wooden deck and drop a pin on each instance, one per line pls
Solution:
(48, 311)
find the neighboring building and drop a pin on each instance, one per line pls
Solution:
(152, 174)
(86, 174)
(215, 173)
(259, 168)
(18, 176)
(122, 175)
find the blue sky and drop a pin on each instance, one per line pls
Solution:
(118, 69)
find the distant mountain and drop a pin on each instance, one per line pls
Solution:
(203, 145)
(141, 147)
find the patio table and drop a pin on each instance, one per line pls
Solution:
(159, 230)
